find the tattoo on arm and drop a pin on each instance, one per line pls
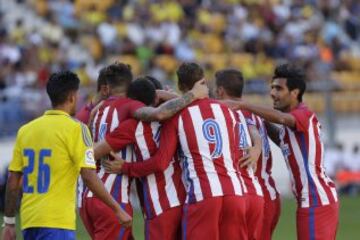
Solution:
(165, 110)
(171, 107)
(145, 114)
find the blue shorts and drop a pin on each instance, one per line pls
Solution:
(48, 234)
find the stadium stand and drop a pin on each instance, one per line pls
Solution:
(155, 36)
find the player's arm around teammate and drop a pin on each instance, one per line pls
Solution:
(269, 114)
(171, 107)
(167, 109)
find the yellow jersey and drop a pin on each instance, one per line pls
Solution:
(50, 151)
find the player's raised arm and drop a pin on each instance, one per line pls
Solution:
(269, 114)
(171, 107)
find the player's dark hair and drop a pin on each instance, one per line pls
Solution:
(188, 74)
(157, 83)
(118, 75)
(101, 80)
(142, 90)
(231, 80)
(295, 77)
(60, 85)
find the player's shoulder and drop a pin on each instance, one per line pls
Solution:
(246, 113)
(74, 125)
(79, 126)
(210, 101)
(203, 105)
(126, 105)
(27, 127)
(205, 102)
(110, 102)
(303, 110)
(124, 100)
(133, 104)
(215, 102)
(77, 123)
(30, 126)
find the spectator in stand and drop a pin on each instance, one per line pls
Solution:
(155, 36)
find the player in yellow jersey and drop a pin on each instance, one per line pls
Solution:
(50, 152)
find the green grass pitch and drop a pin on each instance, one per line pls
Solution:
(349, 227)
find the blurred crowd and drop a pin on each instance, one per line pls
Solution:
(155, 35)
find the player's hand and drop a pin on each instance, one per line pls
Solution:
(250, 158)
(169, 89)
(113, 166)
(200, 89)
(124, 219)
(9, 232)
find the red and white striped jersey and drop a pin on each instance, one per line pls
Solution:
(303, 150)
(158, 191)
(113, 111)
(249, 182)
(264, 165)
(205, 135)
